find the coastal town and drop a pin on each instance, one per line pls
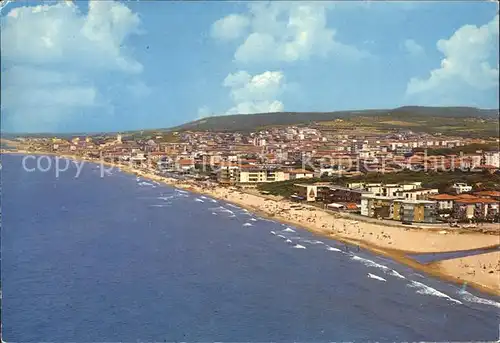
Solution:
(396, 194)
(321, 167)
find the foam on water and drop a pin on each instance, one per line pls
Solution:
(281, 236)
(288, 230)
(288, 241)
(160, 205)
(376, 277)
(313, 242)
(253, 219)
(298, 246)
(329, 248)
(273, 233)
(165, 198)
(247, 224)
(370, 263)
(474, 299)
(144, 183)
(427, 290)
(396, 274)
(214, 213)
(234, 206)
(181, 191)
(198, 200)
(213, 200)
(203, 197)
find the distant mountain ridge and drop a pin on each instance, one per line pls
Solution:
(246, 122)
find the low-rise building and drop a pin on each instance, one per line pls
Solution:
(376, 206)
(475, 208)
(299, 174)
(444, 201)
(414, 211)
(417, 194)
(460, 188)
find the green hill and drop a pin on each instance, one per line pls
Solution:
(410, 115)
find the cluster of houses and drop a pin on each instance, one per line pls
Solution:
(405, 202)
(294, 153)
(326, 151)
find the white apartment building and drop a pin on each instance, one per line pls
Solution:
(418, 194)
(461, 188)
(492, 158)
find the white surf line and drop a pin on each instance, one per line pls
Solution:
(427, 290)
(474, 299)
(329, 248)
(298, 246)
(376, 277)
(370, 263)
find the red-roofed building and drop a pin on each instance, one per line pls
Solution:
(299, 174)
(475, 208)
(489, 194)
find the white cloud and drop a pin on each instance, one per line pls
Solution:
(468, 55)
(231, 27)
(52, 56)
(413, 48)
(255, 94)
(291, 31)
(59, 33)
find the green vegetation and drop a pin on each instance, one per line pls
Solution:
(460, 120)
(440, 180)
(467, 149)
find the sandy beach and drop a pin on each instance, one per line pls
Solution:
(479, 271)
(392, 241)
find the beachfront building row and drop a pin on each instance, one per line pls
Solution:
(419, 205)
(250, 175)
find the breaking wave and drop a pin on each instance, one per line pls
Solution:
(288, 230)
(427, 290)
(376, 277)
(473, 299)
(314, 242)
(198, 200)
(370, 263)
(329, 248)
(165, 198)
(396, 274)
(273, 233)
(298, 246)
(144, 183)
(247, 224)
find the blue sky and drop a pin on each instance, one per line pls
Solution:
(114, 66)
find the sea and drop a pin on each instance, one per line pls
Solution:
(92, 254)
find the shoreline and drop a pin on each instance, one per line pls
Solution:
(257, 205)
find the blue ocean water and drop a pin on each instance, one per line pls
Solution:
(118, 258)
